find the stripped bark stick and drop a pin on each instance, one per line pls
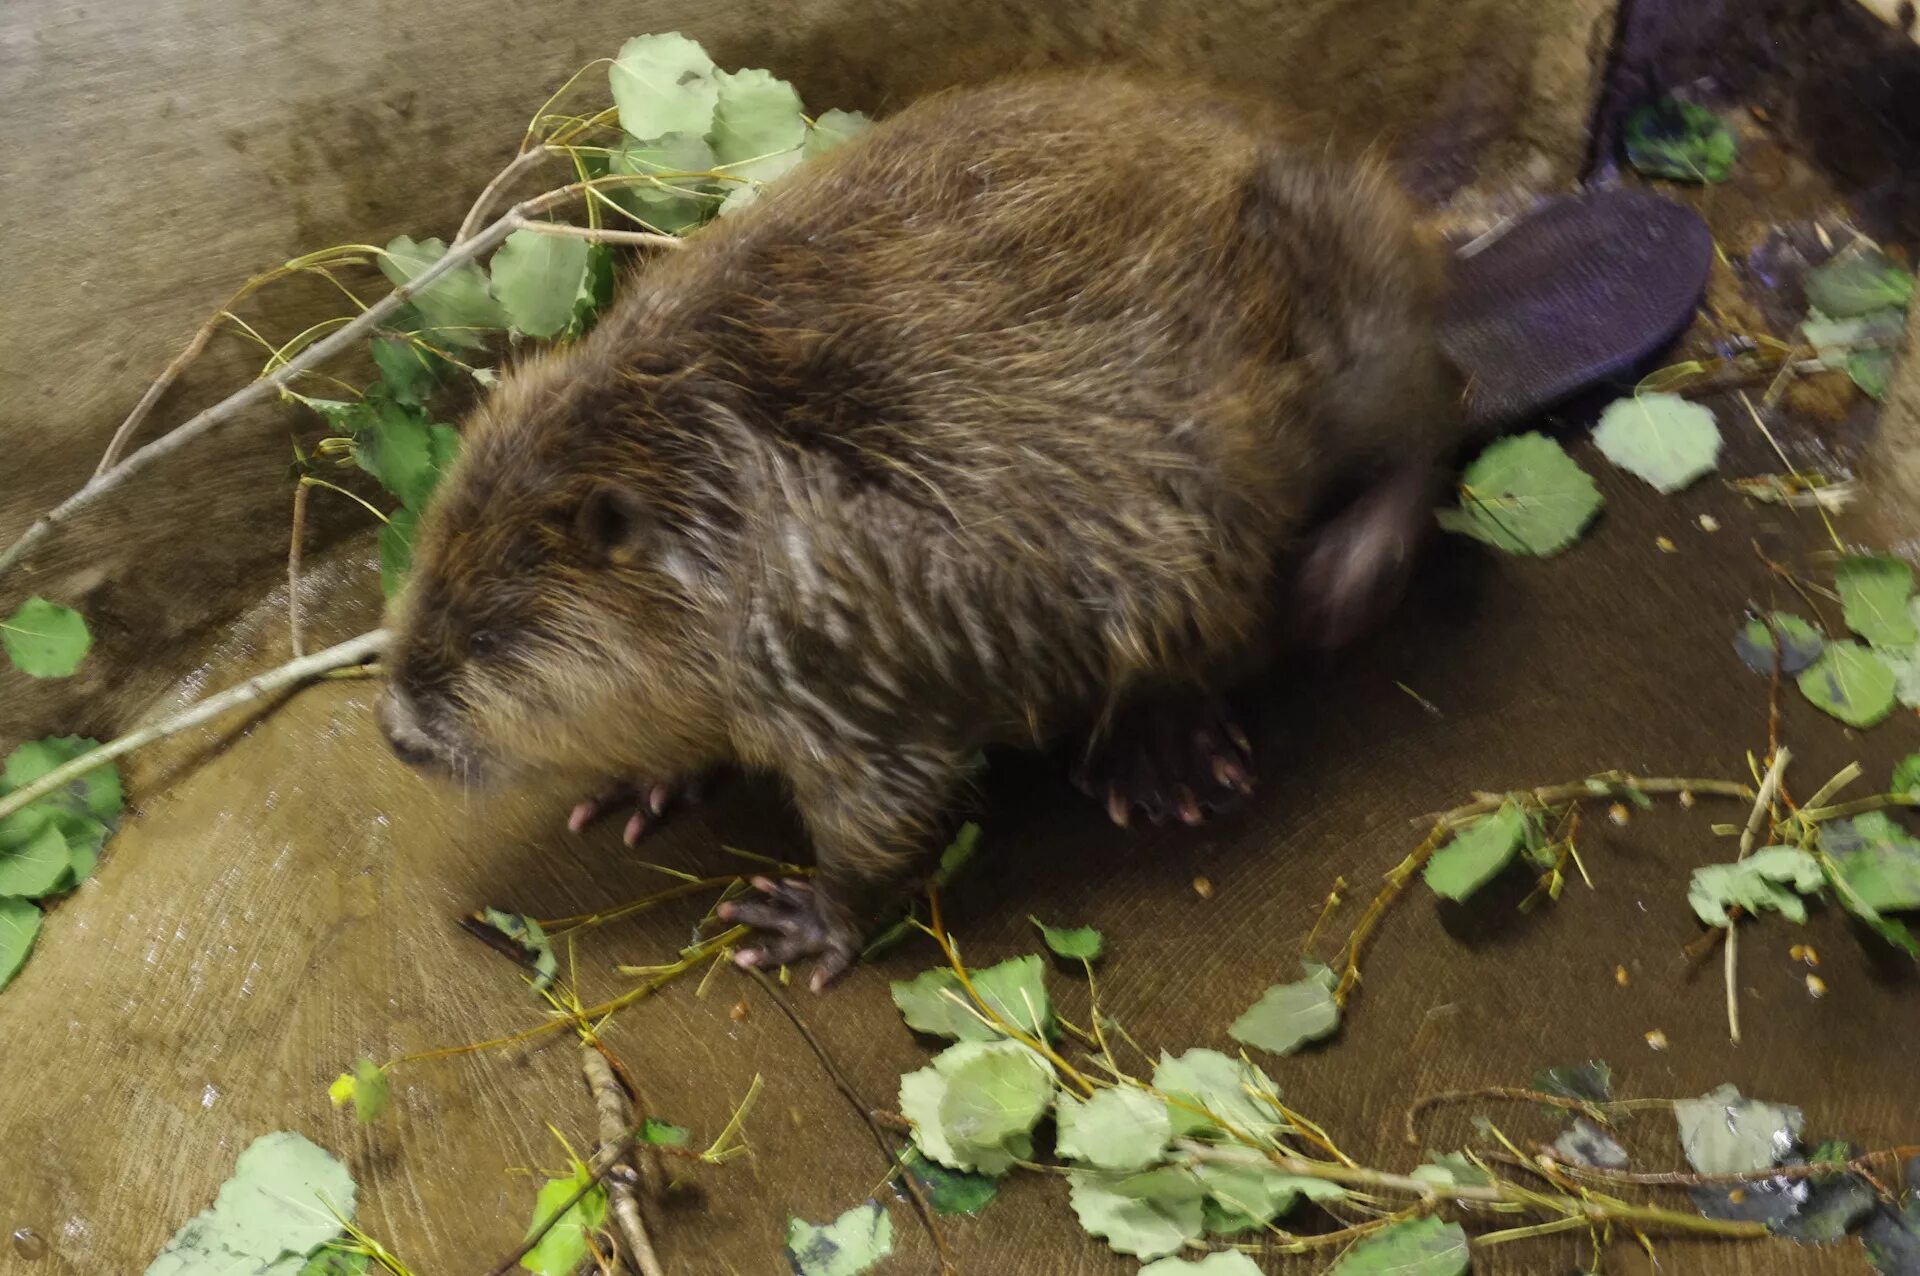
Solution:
(616, 1117)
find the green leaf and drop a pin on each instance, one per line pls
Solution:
(1151, 1214)
(39, 864)
(45, 640)
(19, 924)
(1475, 856)
(1874, 589)
(1288, 1016)
(532, 940)
(97, 793)
(1850, 683)
(1906, 776)
(934, 1001)
(1872, 371)
(1665, 439)
(1117, 1129)
(958, 853)
(663, 84)
(564, 1247)
(407, 453)
(1681, 141)
(538, 278)
(1800, 643)
(951, 1191)
(1724, 1133)
(1081, 943)
(1590, 1082)
(1906, 673)
(849, 1246)
(337, 1262)
(1452, 1170)
(681, 197)
(1836, 339)
(664, 1133)
(396, 549)
(833, 129)
(276, 1210)
(994, 1095)
(1418, 1247)
(1877, 860)
(1254, 1192)
(757, 126)
(1206, 1081)
(366, 1087)
(1524, 495)
(1858, 281)
(457, 305)
(410, 373)
(1766, 880)
(1226, 1262)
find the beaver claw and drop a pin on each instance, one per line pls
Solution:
(649, 800)
(791, 921)
(1181, 756)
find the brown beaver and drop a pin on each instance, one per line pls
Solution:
(995, 422)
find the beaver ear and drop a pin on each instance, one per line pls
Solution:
(615, 524)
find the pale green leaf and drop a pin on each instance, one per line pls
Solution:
(396, 549)
(19, 923)
(1078, 943)
(683, 193)
(1202, 1082)
(833, 129)
(277, 1209)
(757, 126)
(998, 1091)
(1906, 776)
(538, 279)
(1877, 859)
(1872, 371)
(1858, 280)
(457, 305)
(1799, 642)
(1452, 1170)
(1117, 1129)
(532, 939)
(849, 1246)
(1766, 880)
(1905, 669)
(935, 1002)
(564, 1246)
(1475, 856)
(1874, 592)
(1418, 1247)
(1681, 141)
(45, 640)
(1662, 438)
(1254, 1192)
(97, 793)
(1226, 1262)
(1724, 1133)
(39, 864)
(1524, 495)
(663, 84)
(1150, 1215)
(1850, 682)
(1835, 340)
(1288, 1016)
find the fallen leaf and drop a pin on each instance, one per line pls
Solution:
(1858, 280)
(951, 1191)
(564, 1246)
(1874, 589)
(1478, 853)
(1851, 683)
(1418, 1247)
(278, 1208)
(1288, 1016)
(1119, 1128)
(849, 1246)
(1525, 495)
(1080, 943)
(1799, 642)
(1662, 438)
(1151, 1215)
(45, 640)
(1772, 878)
(1725, 1133)
(1208, 1090)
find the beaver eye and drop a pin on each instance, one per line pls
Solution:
(483, 643)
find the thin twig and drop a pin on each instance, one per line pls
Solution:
(639, 238)
(604, 1158)
(616, 1117)
(896, 1170)
(1762, 805)
(293, 569)
(258, 687)
(484, 204)
(1592, 1111)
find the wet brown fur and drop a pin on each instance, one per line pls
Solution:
(960, 435)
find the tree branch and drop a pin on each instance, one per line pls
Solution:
(638, 238)
(615, 1117)
(350, 652)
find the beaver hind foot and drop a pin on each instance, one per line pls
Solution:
(1177, 755)
(649, 800)
(794, 925)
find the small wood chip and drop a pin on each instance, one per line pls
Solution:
(1708, 523)
(1618, 813)
(1621, 977)
(1657, 1039)
(1665, 545)
(1686, 798)
(1203, 888)
(739, 1012)
(1816, 986)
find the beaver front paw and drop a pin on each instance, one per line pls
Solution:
(1177, 755)
(649, 800)
(793, 924)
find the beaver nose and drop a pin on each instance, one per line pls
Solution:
(395, 718)
(409, 751)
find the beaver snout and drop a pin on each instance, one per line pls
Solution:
(399, 723)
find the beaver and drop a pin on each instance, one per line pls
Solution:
(1000, 422)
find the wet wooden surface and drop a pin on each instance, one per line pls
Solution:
(282, 898)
